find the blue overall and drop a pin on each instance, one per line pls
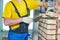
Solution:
(14, 36)
(20, 33)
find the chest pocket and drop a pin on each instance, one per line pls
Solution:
(23, 27)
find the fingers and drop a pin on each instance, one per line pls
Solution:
(56, 7)
(46, 4)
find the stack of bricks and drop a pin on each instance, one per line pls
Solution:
(47, 29)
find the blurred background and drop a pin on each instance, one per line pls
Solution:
(33, 27)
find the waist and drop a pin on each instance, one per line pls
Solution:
(23, 28)
(17, 32)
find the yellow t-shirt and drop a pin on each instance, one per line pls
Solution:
(9, 11)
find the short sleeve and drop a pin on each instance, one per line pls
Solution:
(32, 4)
(7, 11)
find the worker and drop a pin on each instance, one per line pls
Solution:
(16, 16)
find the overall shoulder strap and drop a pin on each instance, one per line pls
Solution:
(27, 6)
(16, 10)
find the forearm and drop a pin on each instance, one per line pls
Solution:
(11, 21)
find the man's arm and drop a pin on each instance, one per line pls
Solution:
(9, 21)
(56, 7)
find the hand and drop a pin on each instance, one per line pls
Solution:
(56, 7)
(27, 20)
(46, 4)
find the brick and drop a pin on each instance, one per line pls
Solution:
(51, 27)
(51, 31)
(50, 21)
(51, 36)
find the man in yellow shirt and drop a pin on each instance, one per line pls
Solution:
(16, 16)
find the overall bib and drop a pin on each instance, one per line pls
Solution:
(20, 33)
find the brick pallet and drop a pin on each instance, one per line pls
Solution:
(48, 28)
